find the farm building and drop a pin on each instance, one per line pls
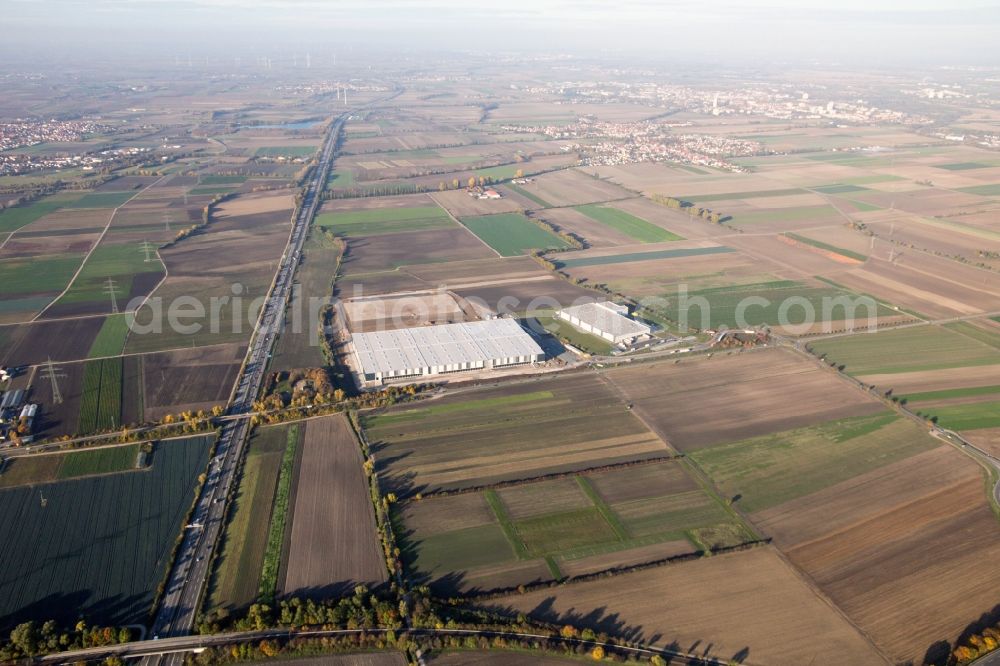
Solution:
(431, 350)
(606, 320)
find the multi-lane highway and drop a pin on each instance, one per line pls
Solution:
(189, 576)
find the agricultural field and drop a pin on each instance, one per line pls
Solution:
(383, 220)
(101, 400)
(568, 526)
(188, 379)
(387, 252)
(236, 576)
(511, 234)
(552, 426)
(636, 228)
(47, 468)
(914, 349)
(757, 616)
(737, 396)
(97, 545)
(332, 543)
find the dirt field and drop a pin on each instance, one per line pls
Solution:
(403, 311)
(361, 659)
(891, 558)
(189, 379)
(497, 658)
(903, 383)
(389, 251)
(570, 187)
(706, 401)
(65, 340)
(595, 233)
(748, 606)
(333, 544)
(508, 432)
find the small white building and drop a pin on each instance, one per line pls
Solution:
(606, 320)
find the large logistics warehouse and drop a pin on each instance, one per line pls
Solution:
(607, 320)
(432, 350)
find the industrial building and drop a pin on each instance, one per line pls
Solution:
(605, 320)
(432, 350)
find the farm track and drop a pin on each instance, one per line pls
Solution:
(93, 248)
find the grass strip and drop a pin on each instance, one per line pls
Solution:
(279, 514)
(606, 512)
(826, 246)
(506, 524)
(553, 567)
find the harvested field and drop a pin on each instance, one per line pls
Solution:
(392, 312)
(755, 615)
(65, 340)
(737, 396)
(897, 569)
(360, 659)
(605, 257)
(390, 251)
(527, 296)
(497, 658)
(333, 545)
(189, 379)
(98, 545)
(553, 425)
(572, 187)
(947, 379)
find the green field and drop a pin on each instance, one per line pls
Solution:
(493, 536)
(905, 350)
(724, 303)
(110, 340)
(512, 234)
(384, 220)
(991, 190)
(639, 256)
(839, 188)
(235, 581)
(791, 214)
(962, 166)
(12, 219)
(121, 263)
(585, 342)
(102, 200)
(826, 246)
(628, 224)
(101, 398)
(279, 515)
(341, 179)
(969, 416)
(213, 189)
(946, 394)
(98, 546)
(770, 470)
(220, 179)
(285, 151)
(37, 274)
(987, 336)
(755, 194)
(99, 461)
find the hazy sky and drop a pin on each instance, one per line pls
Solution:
(890, 31)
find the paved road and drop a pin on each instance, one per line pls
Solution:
(175, 648)
(189, 576)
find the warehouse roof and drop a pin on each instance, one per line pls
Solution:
(446, 344)
(607, 317)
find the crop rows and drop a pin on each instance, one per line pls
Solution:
(101, 401)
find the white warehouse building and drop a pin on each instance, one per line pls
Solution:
(605, 320)
(432, 350)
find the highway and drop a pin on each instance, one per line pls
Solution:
(189, 576)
